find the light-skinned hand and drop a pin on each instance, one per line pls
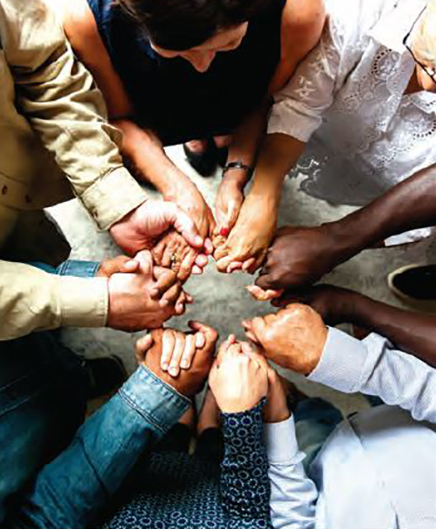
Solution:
(142, 227)
(293, 338)
(228, 203)
(120, 264)
(172, 251)
(146, 298)
(237, 380)
(246, 246)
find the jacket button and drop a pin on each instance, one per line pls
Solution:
(4, 190)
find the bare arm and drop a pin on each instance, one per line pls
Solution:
(140, 147)
(302, 25)
(301, 28)
(412, 332)
(407, 206)
(249, 240)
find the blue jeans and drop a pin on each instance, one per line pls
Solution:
(42, 403)
(42, 399)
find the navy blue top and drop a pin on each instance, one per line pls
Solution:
(182, 491)
(170, 96)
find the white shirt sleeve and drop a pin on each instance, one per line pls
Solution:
(298, 108)
(293, 494)
(374, 367)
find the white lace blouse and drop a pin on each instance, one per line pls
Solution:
(347, 101)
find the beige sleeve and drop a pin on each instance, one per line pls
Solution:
(59, 98)
(31, 300)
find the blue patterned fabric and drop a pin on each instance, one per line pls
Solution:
(183, 491)
(173, 99)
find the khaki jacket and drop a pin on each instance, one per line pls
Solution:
(54, 144)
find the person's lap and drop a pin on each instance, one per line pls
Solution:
(42, 403)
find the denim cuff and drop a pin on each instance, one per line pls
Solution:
(157, 402)
(75, 268)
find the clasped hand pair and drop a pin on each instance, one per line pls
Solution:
(240, 375)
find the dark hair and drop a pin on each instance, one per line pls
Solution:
(183, 24)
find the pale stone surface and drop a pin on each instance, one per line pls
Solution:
(221, 300)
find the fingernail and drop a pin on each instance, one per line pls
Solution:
(165, 366)
(224, 232)
(184, 364)
(173, 371)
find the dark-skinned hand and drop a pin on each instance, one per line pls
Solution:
(298, 257)
(333, 304)
(189, 381)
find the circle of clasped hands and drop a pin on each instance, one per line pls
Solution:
(186, 359)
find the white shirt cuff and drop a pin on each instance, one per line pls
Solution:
(280, 441)
(342, 362)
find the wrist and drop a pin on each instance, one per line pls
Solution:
(314, 351)
(268, 193)
(361, 310)
(177, 185)
(344, 307)
(236, 178)
(118, 229)
(275, 416)
(346, 238)
(240, 168)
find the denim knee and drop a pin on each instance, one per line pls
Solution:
(42, 403)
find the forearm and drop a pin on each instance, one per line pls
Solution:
(407, 206)
(245, 143)
(278, 155)
(71, 490)
(412, 332)
(146, 155)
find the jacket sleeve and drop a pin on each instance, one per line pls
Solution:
(71, 490)
(60, 100)
(31, 299)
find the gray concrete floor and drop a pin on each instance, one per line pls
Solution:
(221, 300)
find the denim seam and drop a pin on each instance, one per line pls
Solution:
(143, 413)
(167, 386)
